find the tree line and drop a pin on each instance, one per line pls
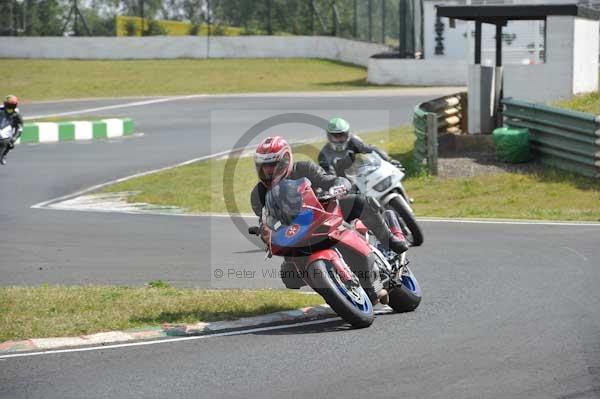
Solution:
(374, 20)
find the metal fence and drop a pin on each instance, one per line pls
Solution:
(561, 138)
(445, 115)
(392, 22)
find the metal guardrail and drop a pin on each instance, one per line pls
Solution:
(561, 138)
(433, 118)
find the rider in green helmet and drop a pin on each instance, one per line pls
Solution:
(342, 145)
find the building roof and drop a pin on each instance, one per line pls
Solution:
(501, 13)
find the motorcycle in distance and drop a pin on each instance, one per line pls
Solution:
(374, 177)
(310, 232)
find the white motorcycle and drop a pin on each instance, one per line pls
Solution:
(6, 142)
(377, 178)
(6, 132)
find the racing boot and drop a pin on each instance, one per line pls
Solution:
(380, 296)
(290, 277)
(391, 220)
(376, 223)
(368, 274)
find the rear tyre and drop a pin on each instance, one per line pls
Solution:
(405, 297)
(349, 300)
(414, 235)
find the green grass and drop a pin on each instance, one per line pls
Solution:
(60, 79)
(589, 103)
(51, 311)
(550, 194)
(199, 187)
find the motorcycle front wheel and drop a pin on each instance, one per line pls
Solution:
(414, 234)
(349, 300)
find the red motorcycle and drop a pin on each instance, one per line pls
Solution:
(310, 232)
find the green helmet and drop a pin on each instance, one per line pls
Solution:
(338, 133)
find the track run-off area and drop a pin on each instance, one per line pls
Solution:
(510, 309)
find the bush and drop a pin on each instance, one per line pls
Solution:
(250, 31)
(218, 30)
(194, 30)
(130, 28)
(155, 29)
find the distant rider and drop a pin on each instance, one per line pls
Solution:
(342, 145)
(273, 161)
(9, 117)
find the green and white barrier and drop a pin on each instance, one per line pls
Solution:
(51, 132)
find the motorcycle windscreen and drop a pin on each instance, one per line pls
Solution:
(363, 165)
(285, 213)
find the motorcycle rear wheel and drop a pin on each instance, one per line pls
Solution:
(349, 301)
(400, 206)
(405, 297)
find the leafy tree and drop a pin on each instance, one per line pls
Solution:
(154, 29)
(44, 17)
(298, 17)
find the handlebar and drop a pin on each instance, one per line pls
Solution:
(333, 192)
(254, 230)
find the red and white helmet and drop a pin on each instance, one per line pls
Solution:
(273, 160)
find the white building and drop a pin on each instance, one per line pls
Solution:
(523, 40)
(570, 67)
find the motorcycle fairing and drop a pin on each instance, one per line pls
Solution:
(351, 239)
(333, 256)
(282, 237)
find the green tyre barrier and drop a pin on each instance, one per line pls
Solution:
(512, 144)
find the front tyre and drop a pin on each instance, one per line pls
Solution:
(349, 300)
(401, 207)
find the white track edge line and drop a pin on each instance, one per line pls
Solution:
(249, 216)
(146, 100)
(116, 106)
(44, 204)
(179, 339)
(513, 222)
(171, 340)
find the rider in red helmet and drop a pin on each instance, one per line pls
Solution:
(274, 162)
(11, 126)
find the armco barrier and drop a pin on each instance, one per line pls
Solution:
(432, 118)
(49, 132)
(565, 139)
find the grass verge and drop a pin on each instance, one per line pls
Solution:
(59, 79)
(589, 103)
(551, 194)
(51, 311)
